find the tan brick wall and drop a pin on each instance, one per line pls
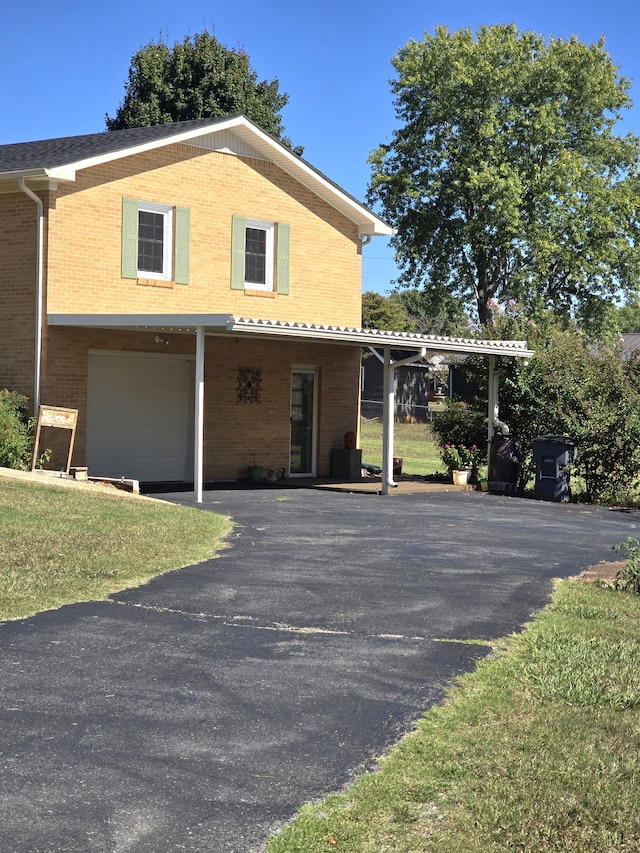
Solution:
(234, 431)
(85, 236)
(18, 228)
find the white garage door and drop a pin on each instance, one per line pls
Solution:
(140, 416)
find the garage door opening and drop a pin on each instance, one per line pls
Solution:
(140, 416)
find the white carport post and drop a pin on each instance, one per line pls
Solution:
(388, 416)
(389, 412)
(198, 440)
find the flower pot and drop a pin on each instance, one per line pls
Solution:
(461, 478)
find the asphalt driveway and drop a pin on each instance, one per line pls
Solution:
(198, 712)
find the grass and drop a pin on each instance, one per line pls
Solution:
(63, 545)
(537, 750)
(412, 442)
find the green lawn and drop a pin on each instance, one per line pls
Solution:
(62, 545)
(536, 751)
(412, 443)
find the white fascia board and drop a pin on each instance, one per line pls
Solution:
(178, 323)
(226, 324)
(368, 223)
(175, 139)
(378, 338)
(61, 173)
(305, 173)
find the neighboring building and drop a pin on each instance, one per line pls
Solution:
(122, 253)
(630, 343)
(420, 388)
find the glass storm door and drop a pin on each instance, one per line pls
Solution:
(302, 461)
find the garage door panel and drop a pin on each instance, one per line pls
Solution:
(139, 416)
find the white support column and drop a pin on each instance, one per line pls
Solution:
(198, 439)
(388, 413)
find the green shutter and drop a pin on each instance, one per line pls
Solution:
(181, 245)
(129, 238)
(238, 248)
(283, 241)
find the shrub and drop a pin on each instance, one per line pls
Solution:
(571, 387)
(15, 430)
(628, 578)
(461, 423)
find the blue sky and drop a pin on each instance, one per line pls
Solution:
(63, 65)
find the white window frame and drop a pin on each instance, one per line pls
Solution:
(167, 239)
(269, 228)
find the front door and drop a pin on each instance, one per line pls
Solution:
(302, 460)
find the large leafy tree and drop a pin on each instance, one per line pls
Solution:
(505, 178)
(197, 78)
(385, 312)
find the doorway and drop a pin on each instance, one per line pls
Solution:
(304, 396)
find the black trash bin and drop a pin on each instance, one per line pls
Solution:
(504, 465)
(551, 456)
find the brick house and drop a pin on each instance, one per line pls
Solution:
(150, 234)
(194, 291)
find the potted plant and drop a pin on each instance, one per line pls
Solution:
(461, 461)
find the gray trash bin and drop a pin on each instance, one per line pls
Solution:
(551, 456)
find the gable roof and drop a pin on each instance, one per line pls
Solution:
(52, 160)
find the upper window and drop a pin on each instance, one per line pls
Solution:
(155, 241)
(260, 255)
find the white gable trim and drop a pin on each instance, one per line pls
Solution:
(239, 136)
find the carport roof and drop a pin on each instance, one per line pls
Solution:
(226, 324)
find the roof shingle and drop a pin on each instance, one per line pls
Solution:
(53, 153)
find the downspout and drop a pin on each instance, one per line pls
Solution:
(493, 413)
(39, 292)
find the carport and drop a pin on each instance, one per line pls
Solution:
(419, 348)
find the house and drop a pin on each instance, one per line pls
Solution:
(147, 232)
(193, 290)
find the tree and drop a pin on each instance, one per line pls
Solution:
(505, 179)
(385, 312)
(629, 316)
(442, 317)
(197, 78)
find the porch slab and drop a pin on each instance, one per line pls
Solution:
(373, 485)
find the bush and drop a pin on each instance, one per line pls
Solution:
(571, 387)
(589, 394)
(460, 423)
(16, 440)
(628, 578)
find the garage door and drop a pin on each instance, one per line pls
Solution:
(140, 416)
